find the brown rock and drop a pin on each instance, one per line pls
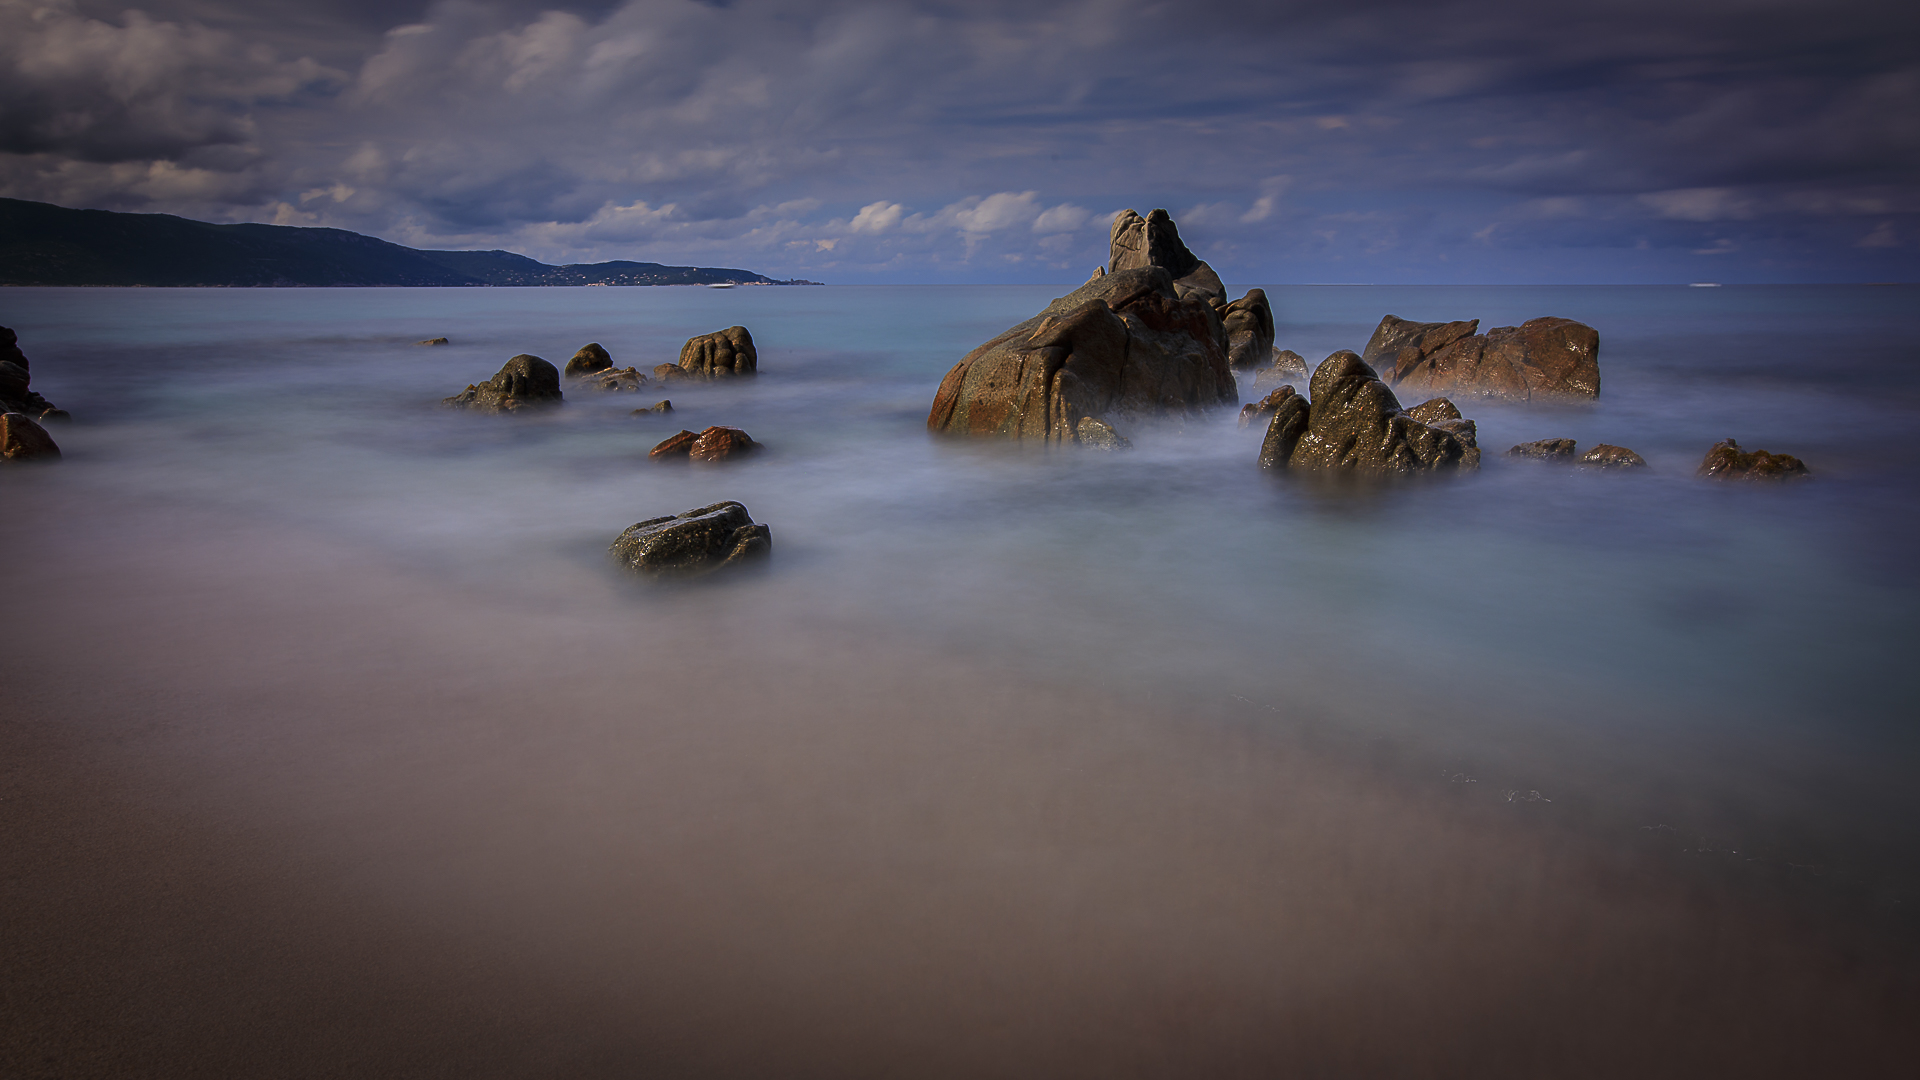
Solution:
(1444, 415)
(673, 447)
(1560, 450)
(1355, 424)
(614, 381)
(1288, 368)
(720, 354)
(1546, 359)
(590, 360)
(1136, 243)
(1249, 325)
(1254, 412)
(432, 341)
(525, 382)
(23, 440)
(694, 544)
(668, 373)
(1726, 461)
(661, 406)
(1608, 456)
(1122, 344)
(722, 444)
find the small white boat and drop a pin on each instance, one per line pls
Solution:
(1703, 285)
(720, 284)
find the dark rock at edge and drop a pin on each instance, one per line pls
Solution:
(23, 440)
(694, 544)
(16, 393)
(1726, 461)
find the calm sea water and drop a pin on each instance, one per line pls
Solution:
(1723, 672)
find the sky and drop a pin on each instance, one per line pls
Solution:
(1313, 141)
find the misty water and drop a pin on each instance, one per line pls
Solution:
(270, 530)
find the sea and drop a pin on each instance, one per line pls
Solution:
(1009, 761)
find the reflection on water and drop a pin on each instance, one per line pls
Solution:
(1034, 747)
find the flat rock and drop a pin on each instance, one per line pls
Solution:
(432, 341)
(694, 544)
(1354, 424)
(722, 444)
(721, 354)
(22, 440)
(1539, 360)
(1561, 450)
(1726, 461)
(1249, 325)
(624, 380)
(590, 360)
(1609, 456)
(525, 382)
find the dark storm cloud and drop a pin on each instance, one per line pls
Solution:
(992, 140)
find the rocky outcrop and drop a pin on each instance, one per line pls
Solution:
(1609, 456)
(1135, 243)
(715, 444)
(16, 377)
(432, 341)
(1249, 326)
(624, 380)
(525, 382)
(658, 407)
(23, 440)
(590, 360)
(1288, 368)
(694, 544)
(1541, 359)
(1354, 424)
(1726, 461)
(1125, 344)
(1559, 450)
(719, 355)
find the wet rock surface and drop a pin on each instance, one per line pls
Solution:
(590, 360)
(715, 444)
(1541, 359)
(721, 354)
(1560, 450)
(624, 380)
(1726, 461)
(692, 545)
(23, 440)
(1609, 456)
(1354, 424)
(1125, 344)
(525, 382)
(16, 378)
(1249, 325)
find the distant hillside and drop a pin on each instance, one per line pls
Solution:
(42, 244)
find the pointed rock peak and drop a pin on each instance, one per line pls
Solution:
(1149, 241)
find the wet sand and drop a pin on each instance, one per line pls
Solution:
(275, 806)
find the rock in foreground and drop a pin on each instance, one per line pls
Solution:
(719, 355)
(1354, 424)
(525, 382)
(1541, 359)
(1726, 461)
(23, 440)
(694, 544)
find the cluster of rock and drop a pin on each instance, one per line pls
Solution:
(1144, 337)
(694, 544)
(1549, 358)
(1353, 423)
(1726, 461)
(528, 381)
(21, 409)
(715, 444)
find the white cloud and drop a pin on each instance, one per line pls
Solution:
(1065, 217)
(1002, 210)
(877, 217)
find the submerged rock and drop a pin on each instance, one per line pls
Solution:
(624, 380)
(16, 377)
(1541, 359)
(694, 544)
(719, 355)
(1249, 325)
(712, 445)
(1726, 461)
(525, 382)
(1608, 456)
(23, 440)
(1355, 424)
(1561, 450)
(1122, 345)
(432, 341)
(661, 406)
(1100, 435)
(1288, 367)
(589, 360)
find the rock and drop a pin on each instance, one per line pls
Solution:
(16, 392)
(1608, 456)
(1249, 325)
(1444, 415)
(1355, 424)
(432, 341)
(1726, 461)
(1100, 435)
(525, 382)
(1287, 367)
(1254, 412)
(668, 373)
(23, 440)
(720, 354)
(722, 444)
(1541, 359)
(673, 447)
(614, 381)
(1560, 450)
(1135, 243)
(694, 544)
(589, 360)
(662, 406)
(1123, 344)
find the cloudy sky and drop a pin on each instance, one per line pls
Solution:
(1322, 140)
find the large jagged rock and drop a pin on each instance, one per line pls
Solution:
(1354, 424)
(1122, 345)
(590, 360)
(1726, 461)
(1541, 359)
(1135, 243)
(16, 376)
(525, 382)
(694, 544)
(719, 355)
(1249, 324)
(23, 440)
